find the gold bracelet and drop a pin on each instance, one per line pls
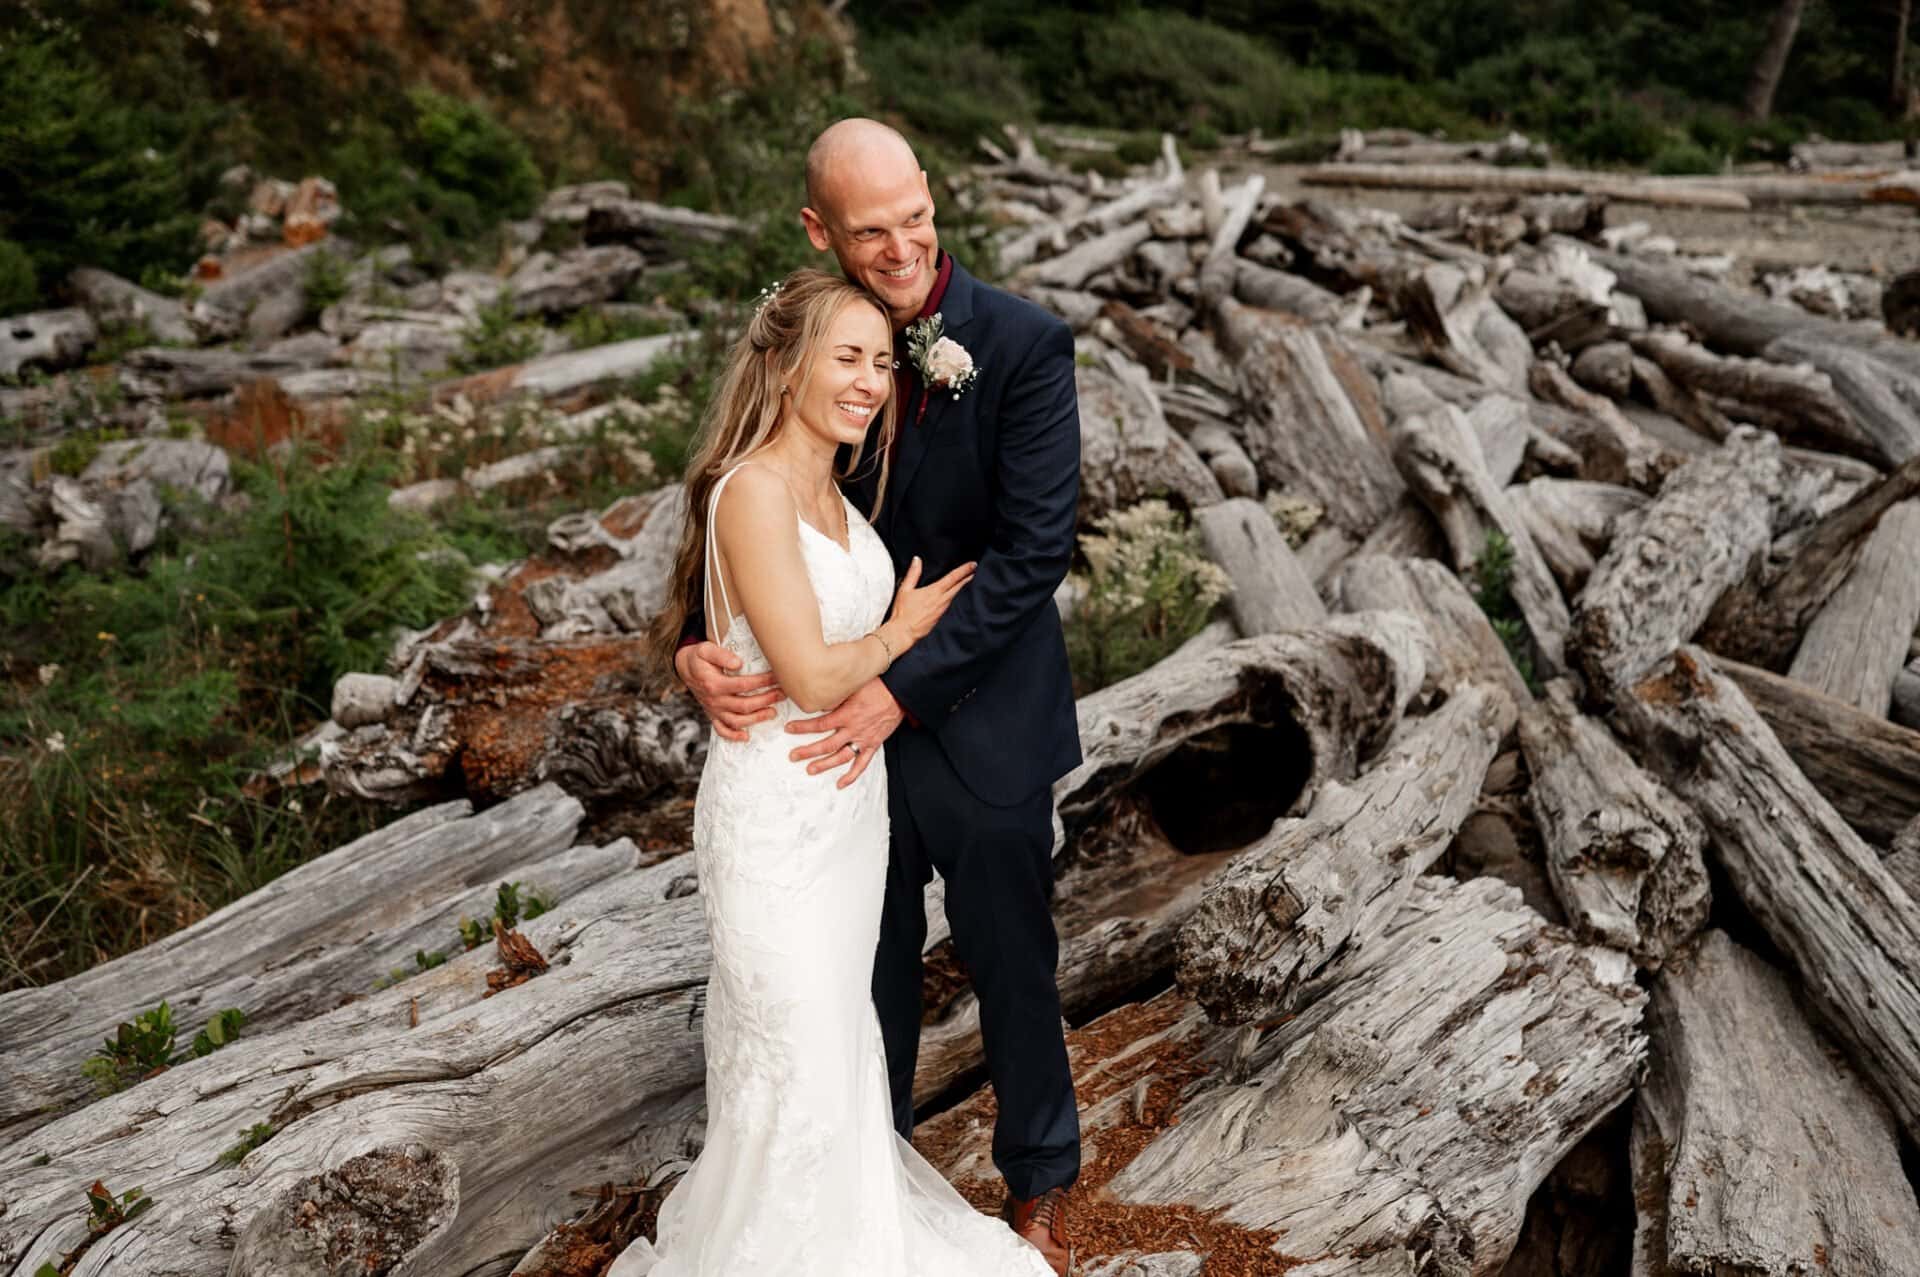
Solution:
(884, 646)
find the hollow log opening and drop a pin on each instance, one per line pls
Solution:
(1225, 788)
(1579, 1222)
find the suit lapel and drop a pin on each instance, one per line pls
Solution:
(956, 312)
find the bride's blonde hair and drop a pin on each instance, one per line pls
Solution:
(777, 349)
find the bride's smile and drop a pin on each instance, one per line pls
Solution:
(847, 382)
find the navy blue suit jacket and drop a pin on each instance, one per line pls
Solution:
(991, 476)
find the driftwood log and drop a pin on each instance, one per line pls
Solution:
(1760, 620)
(1441, 458)
(1271, 590)
(1867, 767)
(572, 1078)
(330, 930)
(1624, 853)
(1572, 522)
(1316, 886)
(1857, 643)
(1358, 1124)
(1820, 892)
(1754, 1151)
(1466, 647)
(1658, 583)
(1127, 449)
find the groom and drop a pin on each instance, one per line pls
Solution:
(977, 719)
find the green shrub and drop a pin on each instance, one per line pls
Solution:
(1680, 158)
(598, 326)
(1492, 588)
(1148, 588)
(1619, 133)
(496, 338)
(19, 289)
(1160, 70)
(955, 91)
(443, 177)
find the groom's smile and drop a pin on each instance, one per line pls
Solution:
(869, 203)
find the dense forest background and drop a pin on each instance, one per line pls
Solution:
(437, 118)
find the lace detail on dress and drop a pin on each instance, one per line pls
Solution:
(802, 1174)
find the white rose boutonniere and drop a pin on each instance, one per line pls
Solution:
(942, 361)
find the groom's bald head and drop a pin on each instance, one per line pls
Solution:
(854, 152)
(869, 203)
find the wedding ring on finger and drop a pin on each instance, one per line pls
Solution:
(854, 746)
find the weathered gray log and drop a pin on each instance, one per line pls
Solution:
(1082, 262)
(548, 283)
(1441, 458)
(1857, 642)
(1882, 393)
(1552, 310)
(586, 1074)
(290, 951)
(118, 303)
(1125, 888)
(1804, 394)
(643, 220)
(1459, 327)
(1697, 411)
(1613, 448)
(1356, 1124)
(1271, 591)
(1314, 427)
(1289, 905)
(1232, 468)
(1754, 1150)
(1698, 538)
(265, 301)
(1226, 229)
(553, 375)
(162, 372)
(1573, 521)
(1343, 684)
(1760, 620)
(1624, 854)
(1820, 893)
(1875, 375)
(1605, 368)
(1468, 650)
(1270, 289)
(1658, 191)
(46, 339)
(1867, 767)
(1127, 450)
(114, 508)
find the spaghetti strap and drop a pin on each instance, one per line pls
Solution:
(713, 561)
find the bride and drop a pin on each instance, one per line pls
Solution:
(802, 1173)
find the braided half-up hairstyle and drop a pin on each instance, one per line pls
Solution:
(746, 413)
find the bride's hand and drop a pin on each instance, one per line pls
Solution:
(920, 607)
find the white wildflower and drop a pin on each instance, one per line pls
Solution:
(57, 743)
(47, 674)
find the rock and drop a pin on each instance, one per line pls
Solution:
(47, 339)
(96, 525)
(572, 204)
(361, 699)
(184, 465)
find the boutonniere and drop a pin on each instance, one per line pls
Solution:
(942, 361)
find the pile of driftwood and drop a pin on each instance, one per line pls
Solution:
(1443, 933)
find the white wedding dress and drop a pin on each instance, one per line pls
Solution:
(802, 1173)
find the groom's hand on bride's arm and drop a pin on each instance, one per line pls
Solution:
(732, 701)
(865, 718)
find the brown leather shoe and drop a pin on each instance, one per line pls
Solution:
(1042, 1222)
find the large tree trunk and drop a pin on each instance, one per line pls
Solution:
(1820, 893)
(330, 930)
(1899, 102)
(575, 1077)
(1400, 1120)
(1755, 1151)
(1772, 62)
(1290, 904)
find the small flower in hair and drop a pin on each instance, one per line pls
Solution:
(767, 294)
